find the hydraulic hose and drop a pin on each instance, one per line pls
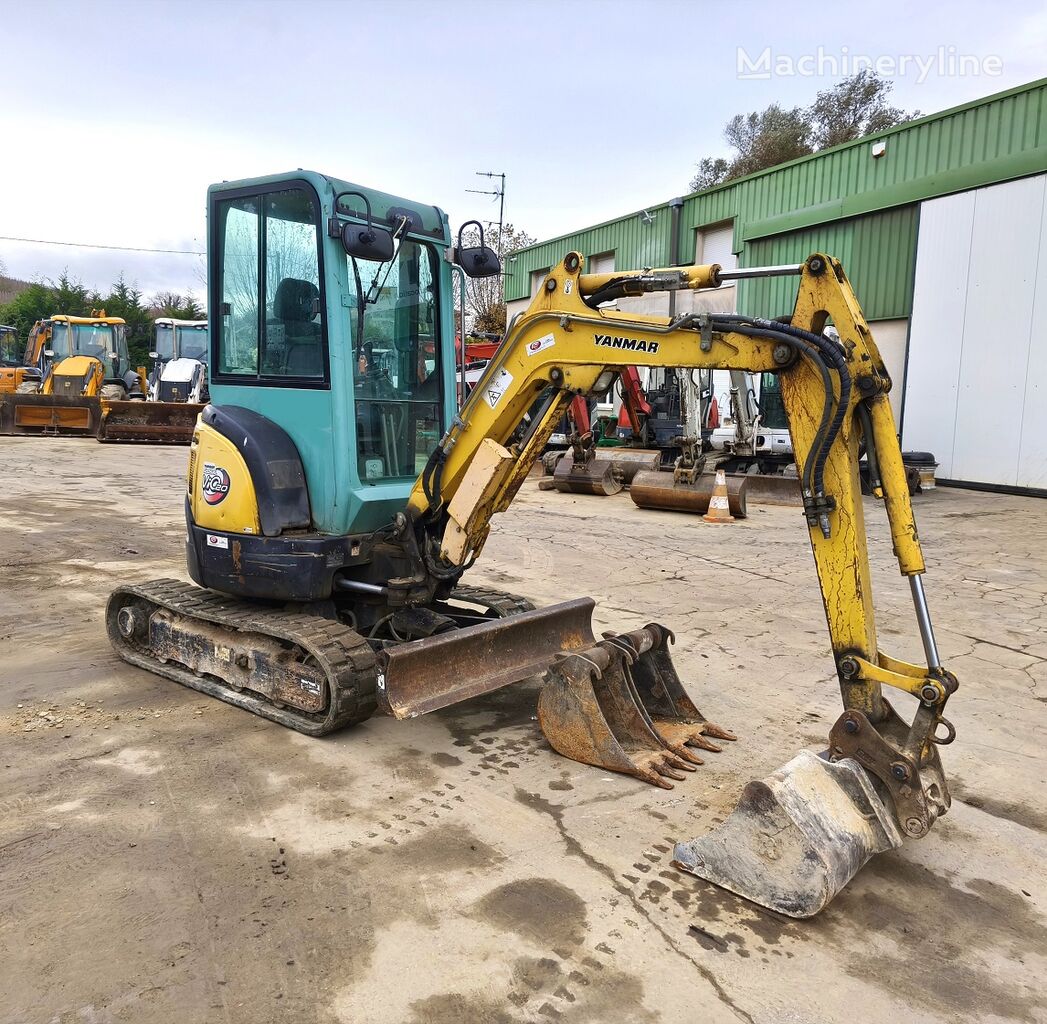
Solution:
(810, 483)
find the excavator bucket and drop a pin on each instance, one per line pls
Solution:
(797, 837)
(606, 472)
(660, 491)
(593, 476)
(620, 705)
(158, 422)
(49, 414)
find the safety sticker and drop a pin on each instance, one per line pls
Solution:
(215, 483)
(214, 541)
(493, 392)
(310, 686)
(536, 346)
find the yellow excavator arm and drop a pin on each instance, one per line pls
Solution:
(836, 398)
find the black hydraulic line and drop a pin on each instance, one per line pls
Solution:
(822, 438)
(870, 446)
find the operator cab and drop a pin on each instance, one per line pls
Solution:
(334, 320)
(104, 339)
(11, 350)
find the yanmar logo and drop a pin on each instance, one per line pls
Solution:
(632, 344)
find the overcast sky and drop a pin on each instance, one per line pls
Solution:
(116, 116)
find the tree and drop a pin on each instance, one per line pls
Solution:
(854, 107)
(485, 296)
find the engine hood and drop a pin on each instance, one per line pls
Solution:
(180, 371)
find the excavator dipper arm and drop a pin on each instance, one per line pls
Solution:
(835, 394)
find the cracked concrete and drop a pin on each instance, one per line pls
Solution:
(166, 857)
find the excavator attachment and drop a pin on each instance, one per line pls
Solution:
(158, 422)
(796, 838)
(49, 414)
(606, 471)
(620, 705)
(589, 476)
(661, 490)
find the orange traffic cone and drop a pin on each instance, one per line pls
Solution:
(719, 509)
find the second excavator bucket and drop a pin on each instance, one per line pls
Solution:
(156, 422)
(620, 705)
(797, 837)
(659, 490)
(589, 476)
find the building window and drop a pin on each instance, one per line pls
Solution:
(603, 263)
(716, 245)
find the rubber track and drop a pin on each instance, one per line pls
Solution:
(497, 601)
(346, 657)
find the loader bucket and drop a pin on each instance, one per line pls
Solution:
(772, 489)
(797, 837)
(49, 414)
(660, 491)
(426, 675)
(156, 422)
(620, 705)
(595, 476)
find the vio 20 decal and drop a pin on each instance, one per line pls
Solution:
(215, 484)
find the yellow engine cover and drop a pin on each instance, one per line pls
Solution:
(221, 493)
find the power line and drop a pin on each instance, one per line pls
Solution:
(88, 245)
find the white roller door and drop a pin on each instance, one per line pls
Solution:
(977, 361)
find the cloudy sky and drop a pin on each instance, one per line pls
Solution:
(116, 116)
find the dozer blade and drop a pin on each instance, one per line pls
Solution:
(426, 675)
(772, 489)
(620, 705)
(156, 422)
(658, 490)
(49, 414)
(597, 476)
(797, 837)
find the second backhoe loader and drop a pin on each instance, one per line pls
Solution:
(176, 389)
(336, 496)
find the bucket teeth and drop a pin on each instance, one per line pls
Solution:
(620, 705)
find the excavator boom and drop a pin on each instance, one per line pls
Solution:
(836, 395)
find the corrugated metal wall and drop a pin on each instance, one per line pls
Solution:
(996, 139)
(877, 252)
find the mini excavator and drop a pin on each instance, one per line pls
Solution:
(337, 495)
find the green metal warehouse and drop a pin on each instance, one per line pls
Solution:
(941, 224)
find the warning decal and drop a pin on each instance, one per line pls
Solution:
(493, 392)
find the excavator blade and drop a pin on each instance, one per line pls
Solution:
(796, 838)
(658, 490)
(158, 422)
(620, 705)
(433, 673)
(49, 414)
(596, 476)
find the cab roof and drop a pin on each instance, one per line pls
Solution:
(429, 221)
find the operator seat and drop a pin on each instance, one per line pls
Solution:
(294, 308)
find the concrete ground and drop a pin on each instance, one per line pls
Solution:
(166, 857)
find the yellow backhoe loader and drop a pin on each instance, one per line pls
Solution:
(74, 363)
(336, 496)
(12, 362)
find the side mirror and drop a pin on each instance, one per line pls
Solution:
(364, 241)
(49, 352)
(478, 260)
(154, 355)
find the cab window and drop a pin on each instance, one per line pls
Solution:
(396, 355)
(270, 326)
